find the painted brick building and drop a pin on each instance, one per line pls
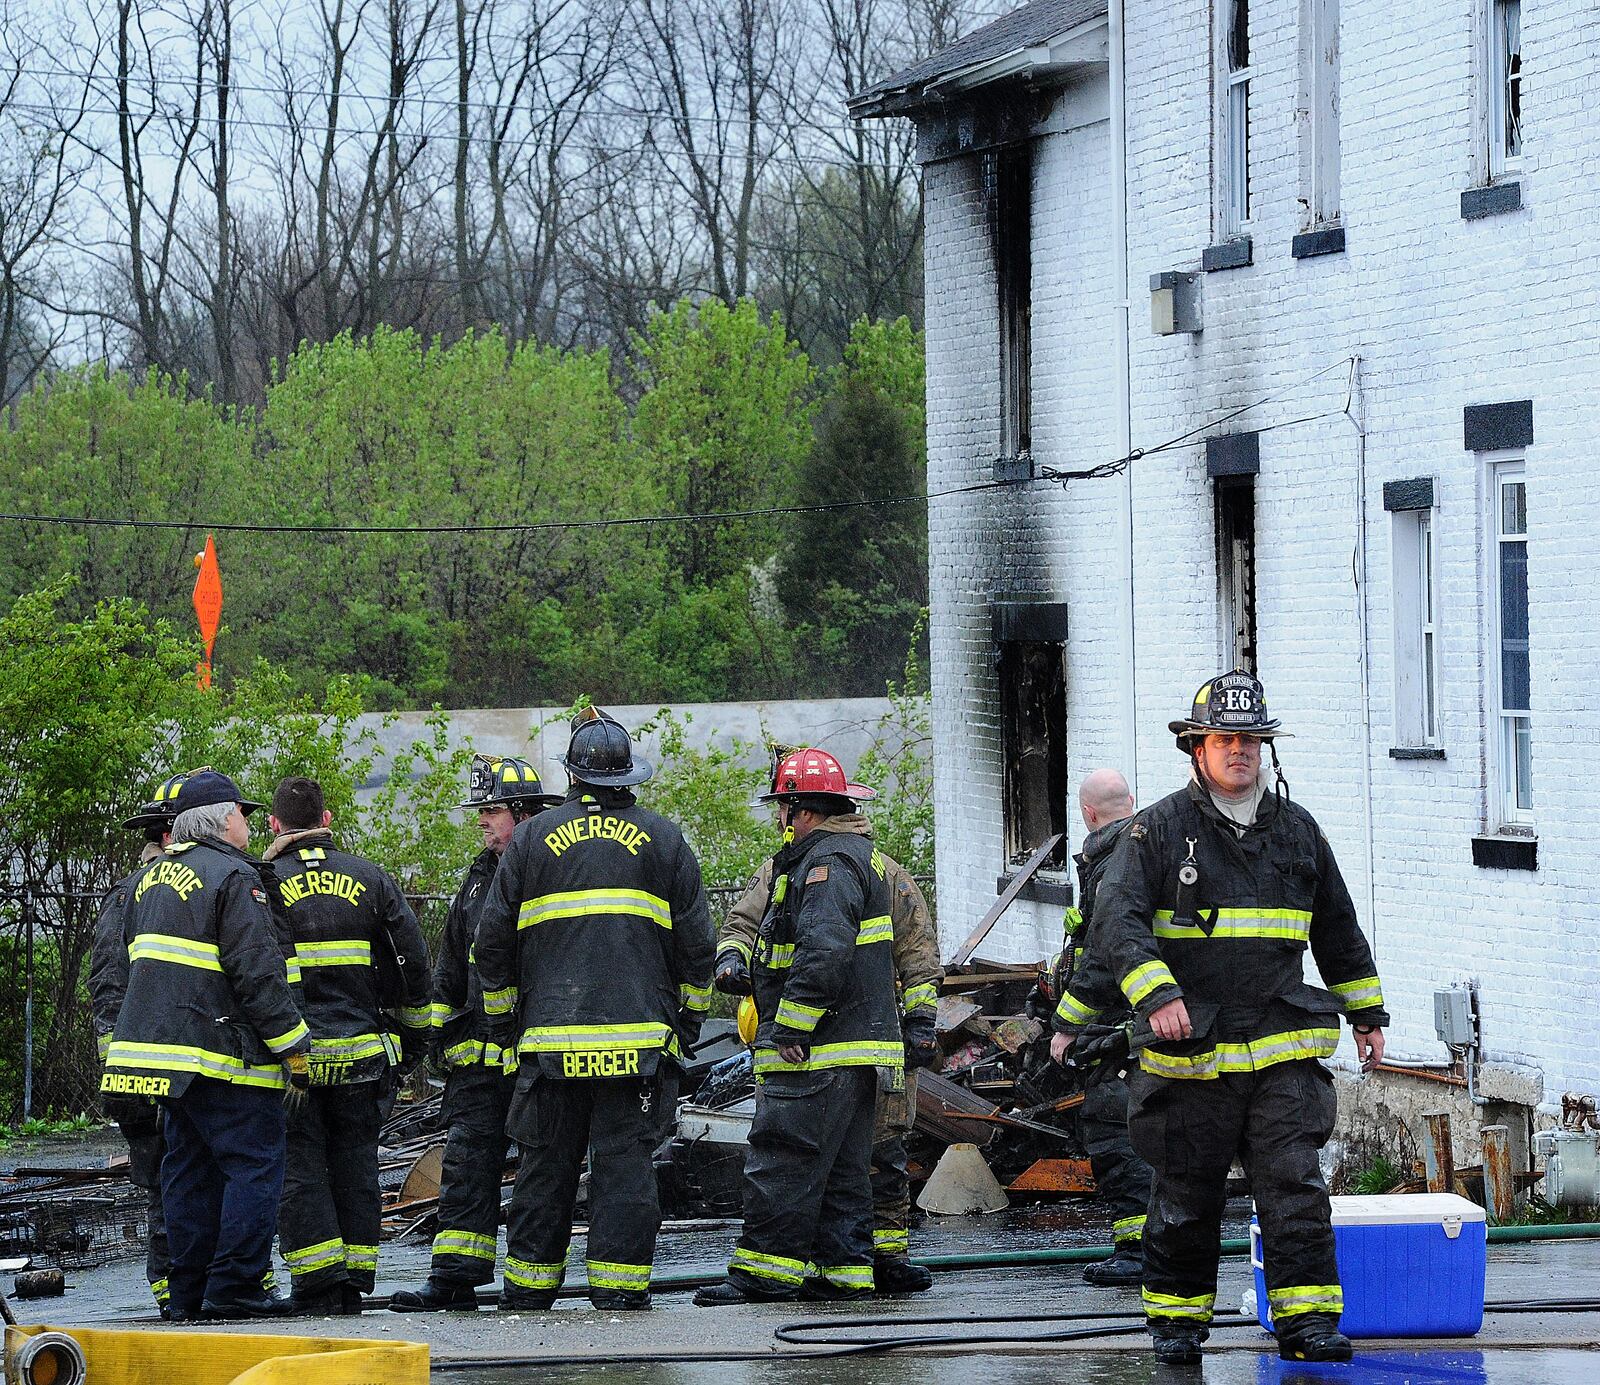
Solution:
(1342, 251)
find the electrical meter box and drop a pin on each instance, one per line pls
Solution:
(1452, 1016)
(1411, 1265)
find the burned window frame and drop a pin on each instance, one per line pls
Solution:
(1234, 515)
(1031, 677)
(1010, 176)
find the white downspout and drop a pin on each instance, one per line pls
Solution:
(1355, 411)
(1120, 309)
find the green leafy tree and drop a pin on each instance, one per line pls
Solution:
(723, 420)
(899, 765)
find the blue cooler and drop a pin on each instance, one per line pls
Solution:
(1411, 1265)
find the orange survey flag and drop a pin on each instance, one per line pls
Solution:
(207, 604)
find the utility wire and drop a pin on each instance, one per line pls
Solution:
(1050, 474)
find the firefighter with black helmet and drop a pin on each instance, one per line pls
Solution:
(479, 1078)
(364, 971)
(918, 974)
(829, 1036)
(209, 1026)
(138, 1117)
(1204, 915)
(594, 952)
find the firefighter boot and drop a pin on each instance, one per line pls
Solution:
(1313, 1337)
(895, 1274)
(732, 1290)
(1177, 1343)
(1126, 1267)
(436, 1296)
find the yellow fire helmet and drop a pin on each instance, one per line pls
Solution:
(747, 1021)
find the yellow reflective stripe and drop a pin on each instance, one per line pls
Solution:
(184, 952)
(467, 1243)
(862, 1053)
(344, 952)
(525, 1274)
(780, 1268)
(1128, 1229)
(577, 1038)
(572, 904)
(1306, 1298)
(312, 853)
(1240, 923)
(291, 970)
(360, 1257)
(916, 997)
(738, 945)
(103, 1046)
(1146, 980)
(606, 1274)
(414, 1016)
(794, 1015)
(500, 1002)
(353, 1048)
(775, 956)
(1197, 1308)
(1074, 1011)
(1249, 1056)
(440, 1014)
(158, 1288)
(309, 1259)
(289, 1038)
(464, 1054)
(696, 999)
(1365, 994)
(182, 1058)
(891, 1240)
(847, 1276)
(875, 930)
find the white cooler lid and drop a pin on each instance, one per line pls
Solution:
(1404, 1209)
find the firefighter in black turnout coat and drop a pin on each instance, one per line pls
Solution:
(594, 953)
(479, 1078)
(364, 975)
(1204, 915)
(823, 979)
(208, 1026)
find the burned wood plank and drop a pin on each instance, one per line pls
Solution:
(938, 1098)
(1000, 905)
(1055, 1176)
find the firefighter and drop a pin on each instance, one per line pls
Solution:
(594, 953)
(1089, 997)
(351, 926)
(822, 973)
(209, 1027)
(918, 972)
(138, 1117)
(479, 1080)
(1204, 914)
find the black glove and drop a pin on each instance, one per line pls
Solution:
(298, 1067)
(922, 1041)
(733, 974)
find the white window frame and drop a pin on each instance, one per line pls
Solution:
(1505, 469)
(1234, 209)
(1502, 160)
(1319, 112)
(1416, 629)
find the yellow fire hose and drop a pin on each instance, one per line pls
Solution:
(40, 1355)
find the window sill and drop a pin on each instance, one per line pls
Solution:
(1228, 254)
(1494, 199)
(1017, 468)
(1416, 752)
(1506, 852)
(1042, 889)
(1325, 240)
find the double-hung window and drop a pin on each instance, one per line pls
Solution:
(1504, 71)
(1236, 118)
(1510, 676)
(1416, 623)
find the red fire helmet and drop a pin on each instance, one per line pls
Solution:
(812, 773)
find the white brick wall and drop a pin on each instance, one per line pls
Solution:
(1443, 313)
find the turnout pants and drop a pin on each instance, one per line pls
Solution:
(475, 1103)
(221, 1180)
(140, 1123)
(328, 1224)
(1276, 1119)
(1122, 1177)
(557, 1120)
(891, 1176)
(807, 1183)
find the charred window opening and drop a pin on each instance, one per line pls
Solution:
(1012, 173)
(1033, 702)
(1236, 569)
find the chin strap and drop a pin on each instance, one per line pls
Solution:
(1280, 786)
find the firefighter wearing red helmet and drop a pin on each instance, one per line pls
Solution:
(822, 973)
(918, 973)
